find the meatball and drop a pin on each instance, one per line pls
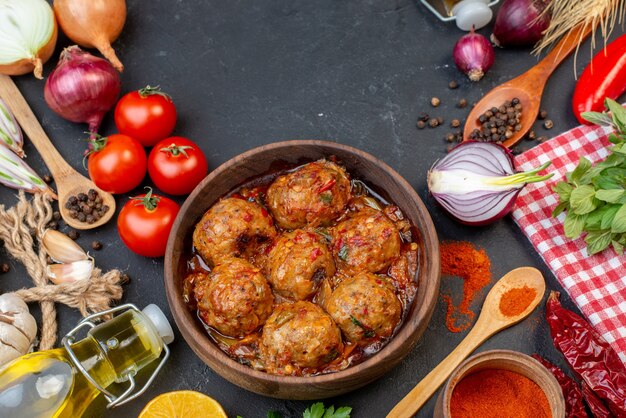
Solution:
(297, 264)
(368, 241)
(233, 227)
(235, 299)
(298, 335)
(365, 306)
(315, 194)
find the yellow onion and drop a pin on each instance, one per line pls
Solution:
(28, 34)
(93, 24)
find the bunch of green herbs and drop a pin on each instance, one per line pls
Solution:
(594, 196)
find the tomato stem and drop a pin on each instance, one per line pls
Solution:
(148, 201)
(150, 91)
(176, 150)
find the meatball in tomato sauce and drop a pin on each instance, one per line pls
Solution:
(233, 227)
(367, 241)
(365, 306)
(315, 194)
(235, 299)
(297, 264)
(297, 336)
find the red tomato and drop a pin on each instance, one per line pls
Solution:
(176, 165)
(144, 223)
(147, 115)
(117, 163)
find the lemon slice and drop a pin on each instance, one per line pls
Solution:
(183, 404)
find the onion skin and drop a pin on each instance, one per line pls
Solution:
(520, 23)
(82, 88)
(473, 55)
(93, 24)
(34, 64)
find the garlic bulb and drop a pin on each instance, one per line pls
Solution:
(17, 328)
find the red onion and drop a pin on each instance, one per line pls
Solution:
(82, 88)
(520, 23)
(473, 55)
(476, 182)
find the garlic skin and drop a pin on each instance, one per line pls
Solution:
(62, 248)
(70, 272)
(17, 328)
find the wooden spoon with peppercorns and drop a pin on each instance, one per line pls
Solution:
(509, 301)
(68, 181)
(527, 88)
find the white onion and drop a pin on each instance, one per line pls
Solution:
(28, 34)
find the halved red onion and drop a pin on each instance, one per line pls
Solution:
(476, 182)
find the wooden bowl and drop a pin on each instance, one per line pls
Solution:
(266, 159)
(506, 360)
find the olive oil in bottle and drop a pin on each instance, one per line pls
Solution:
(64, 381)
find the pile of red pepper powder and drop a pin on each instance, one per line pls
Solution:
(473, 266)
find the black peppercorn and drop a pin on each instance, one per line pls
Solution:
(433, 123)
(435, 102)
(47, 178)
(462, 103)
(96, 245)
(453, 85)
(542, 114)
(548, 124)
(421, 124)
(73, 234)
(455, 123)
(5, 268)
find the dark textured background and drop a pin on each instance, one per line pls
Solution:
(245, 73)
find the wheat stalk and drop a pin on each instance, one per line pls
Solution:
(567, 14)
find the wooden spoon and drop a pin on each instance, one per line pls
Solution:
(68, 181)
(490, 321)
(527, 87)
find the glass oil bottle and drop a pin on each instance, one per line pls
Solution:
(64, 381)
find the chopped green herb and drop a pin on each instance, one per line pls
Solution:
(343, 252)
(324, 232)
(368, 332)
(317, 410)
(326, 197)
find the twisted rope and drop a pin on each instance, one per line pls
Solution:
(21, 228)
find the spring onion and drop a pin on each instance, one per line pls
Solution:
(476, 182)
(10, 132)
(15, 173)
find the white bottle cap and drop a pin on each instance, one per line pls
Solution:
(160, 322)
(470, 13)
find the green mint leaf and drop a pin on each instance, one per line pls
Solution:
(614, 139)
(597, 118)
(619, 248)
(618, 114)
(598, 241)
(343, 412)
(564, 190)
(583, 166)
(559, 209)
(314, 411)
(574, 224)
(610, 196)
(608, 215)
(274, 414)
(582, 199)
(619, 221)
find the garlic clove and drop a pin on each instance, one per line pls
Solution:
(62, 248)
(70, 272)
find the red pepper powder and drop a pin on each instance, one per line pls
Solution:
(473, 266)
(496, 393)
(515, 301)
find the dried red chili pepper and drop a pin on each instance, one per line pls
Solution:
(605, 76)
(574, 406)
(590, 356)
(595, 404)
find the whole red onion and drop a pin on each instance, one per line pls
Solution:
(520, 23)
(82, 88)
(473, 55)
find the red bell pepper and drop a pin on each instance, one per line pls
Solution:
(605, 76)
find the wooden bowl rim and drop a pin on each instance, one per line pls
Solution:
(511, 356)
(209, 349)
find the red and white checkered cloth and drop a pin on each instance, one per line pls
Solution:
(596, 283)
